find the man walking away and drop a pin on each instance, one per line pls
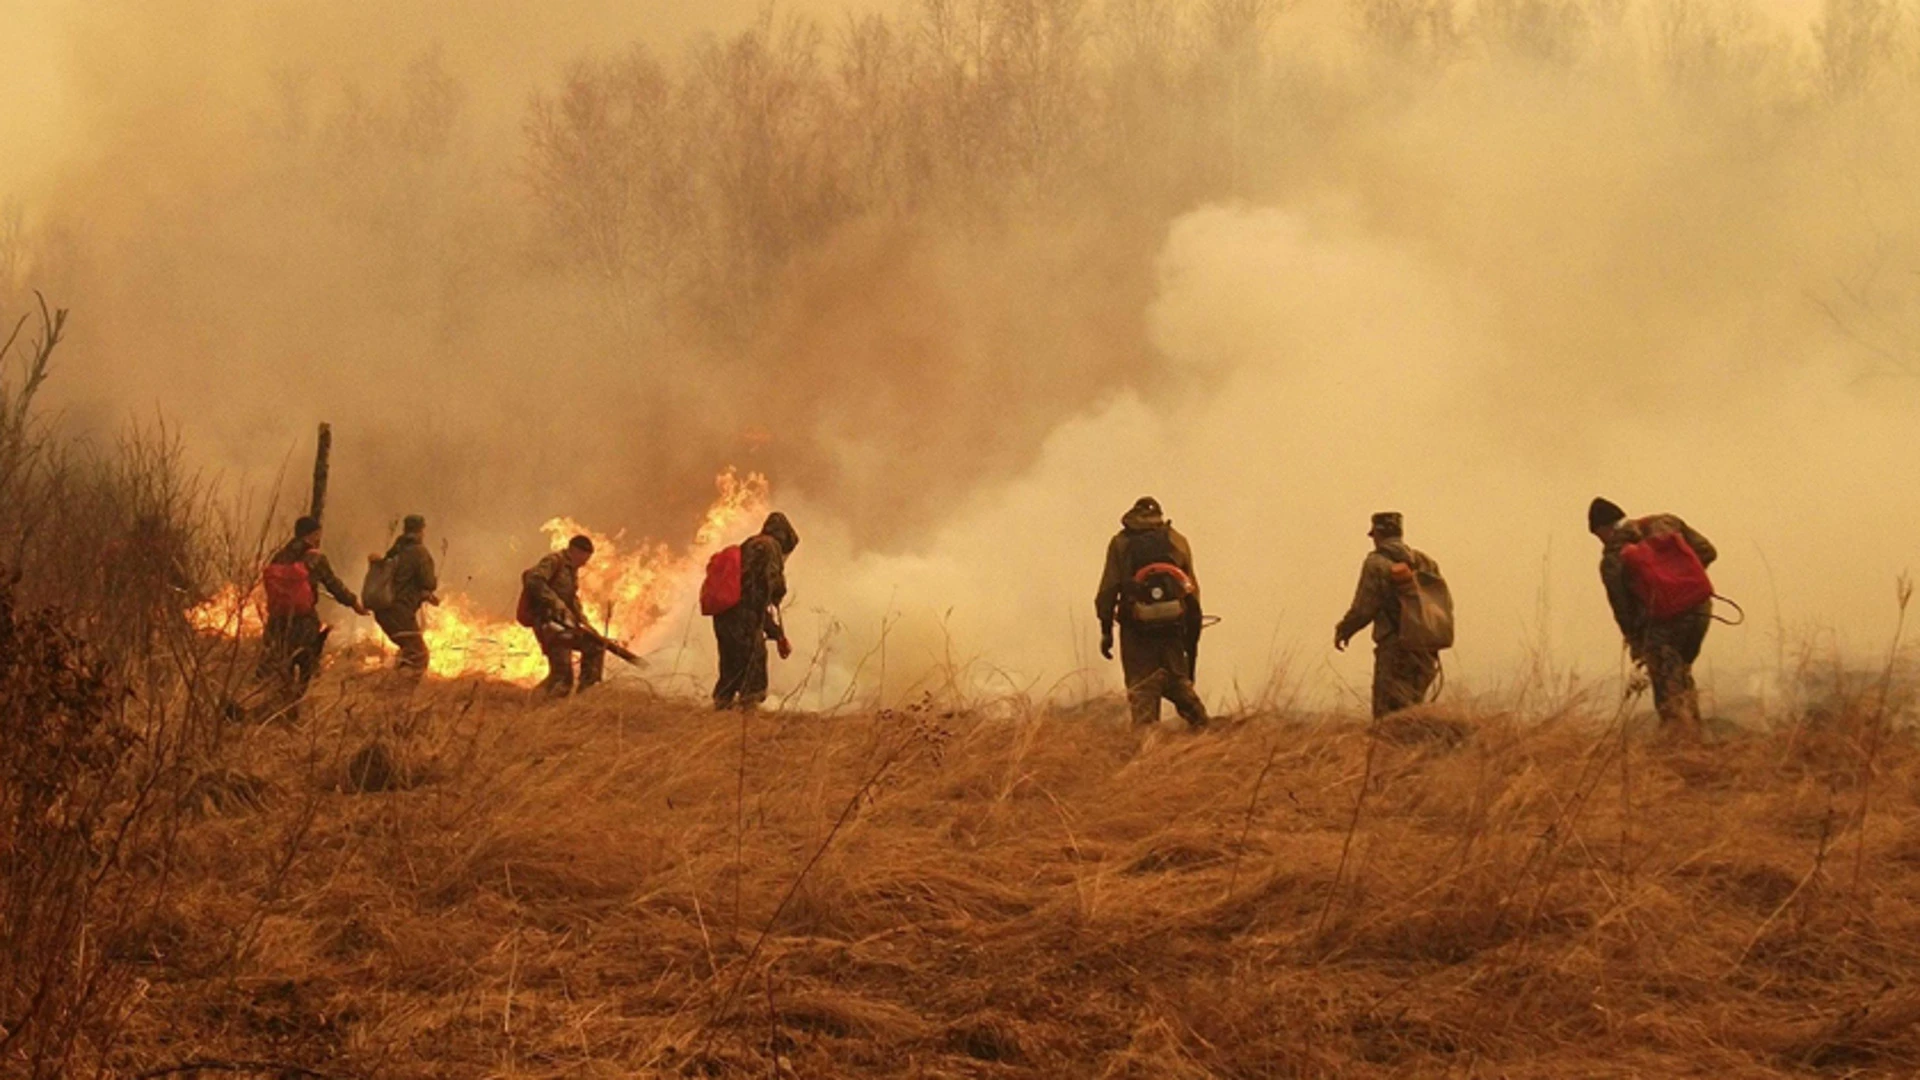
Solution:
(1655, 572)
(1406, 659)
(742, 631)
(550, 603)
(295, 636)
(411, 581)
(1148, 586)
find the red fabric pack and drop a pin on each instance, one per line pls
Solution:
(1667, 575)
(721, 589)
(289, 589)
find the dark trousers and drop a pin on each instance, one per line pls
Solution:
(402, 627)
(1668, 648)
(559, 646)
(1401, 677)
(290, 654)
(1157, 666)
(741, 634)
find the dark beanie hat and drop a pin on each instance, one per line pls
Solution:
(1602, 513)
(413, 523)
(306, 526)
(581, 543)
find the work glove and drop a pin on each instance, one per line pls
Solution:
(1340, 640)
(785, 647)
(1106, 641)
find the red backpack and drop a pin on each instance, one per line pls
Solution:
(720, 592)
(1667, 575)
(289, 589)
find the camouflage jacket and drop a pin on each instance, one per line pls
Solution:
(319, 570)
(1377, 599)
(1628, 610)
(1119, 569)
(555, 587)
(413, 572)
(763, 573)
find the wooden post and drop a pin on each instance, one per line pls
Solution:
(323, 451)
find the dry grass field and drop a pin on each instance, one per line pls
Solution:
(625, 885)
(944, 277)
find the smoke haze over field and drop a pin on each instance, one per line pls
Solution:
(963, 288)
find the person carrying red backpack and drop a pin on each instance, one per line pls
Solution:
(1655, 572)
(745, 611)
(295, 636)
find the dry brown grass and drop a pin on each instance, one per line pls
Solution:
(555, 891)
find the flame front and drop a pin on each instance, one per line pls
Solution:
(231, 613)
(626, 592)
(464, 642)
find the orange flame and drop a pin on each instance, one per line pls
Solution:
(231, 613)
(462, 641)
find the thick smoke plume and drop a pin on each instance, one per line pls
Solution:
(965, 278)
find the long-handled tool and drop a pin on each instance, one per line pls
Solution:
(603, 640)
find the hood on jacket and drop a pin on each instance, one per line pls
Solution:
(1145, 514)
(781, 530)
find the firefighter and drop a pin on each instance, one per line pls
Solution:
(551, 593)
(1402, 675)
(743, 630)
(412, 582)
(1665, 647)
(1148, 587)
(295, 636)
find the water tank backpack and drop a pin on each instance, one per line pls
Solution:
(1666, 574)
(525, 611)
(720, 591)
(1160, 592)
(289, 589)
(1426, 608)
(376, 589)
(1156, 594)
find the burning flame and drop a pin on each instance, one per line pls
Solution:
(462, 641)
(627, 591)
(231, 613)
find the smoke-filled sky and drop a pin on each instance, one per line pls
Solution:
(964, 290)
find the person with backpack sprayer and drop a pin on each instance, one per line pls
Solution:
(395, 586)
(1654, 569)
(1403, 595)
(1149, 588)
(744, 587)
(295, 636)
